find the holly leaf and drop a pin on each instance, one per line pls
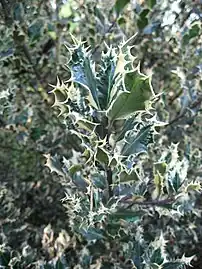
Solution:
(138, 143)
(134, 98)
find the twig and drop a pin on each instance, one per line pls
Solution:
(164, 202)
(173, 98)
(181, 115)
(175, 119)
(109, 180)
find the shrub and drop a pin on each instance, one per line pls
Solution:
(112, 187)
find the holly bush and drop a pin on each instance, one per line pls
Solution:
(125, 148)
(111, 185)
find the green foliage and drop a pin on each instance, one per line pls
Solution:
(107, 188)
(132, 179)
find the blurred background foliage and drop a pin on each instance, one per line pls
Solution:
(33, 34)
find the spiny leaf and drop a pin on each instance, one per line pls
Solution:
(106, 76)
(155, 266)
(138, 143)
(53, 164)
(124, 62)
(133, 99)
(61, 95)
(84, 74)
(193, 186)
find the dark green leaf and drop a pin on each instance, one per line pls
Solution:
(127, 126)
(142, 21)
(121, 21)
(99, 181)
(83, 74)
(120, 5)
(151, 3)
(157, 256)
(132, 100)
(138, 143)
(194, 31)
(106, 78)
(36, 133)
(101, 156)
(176, 182)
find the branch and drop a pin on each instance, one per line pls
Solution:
(186, 18)
(173, 98)
(181, 115)
(109, 180)
(164, 202)
(175, 119)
